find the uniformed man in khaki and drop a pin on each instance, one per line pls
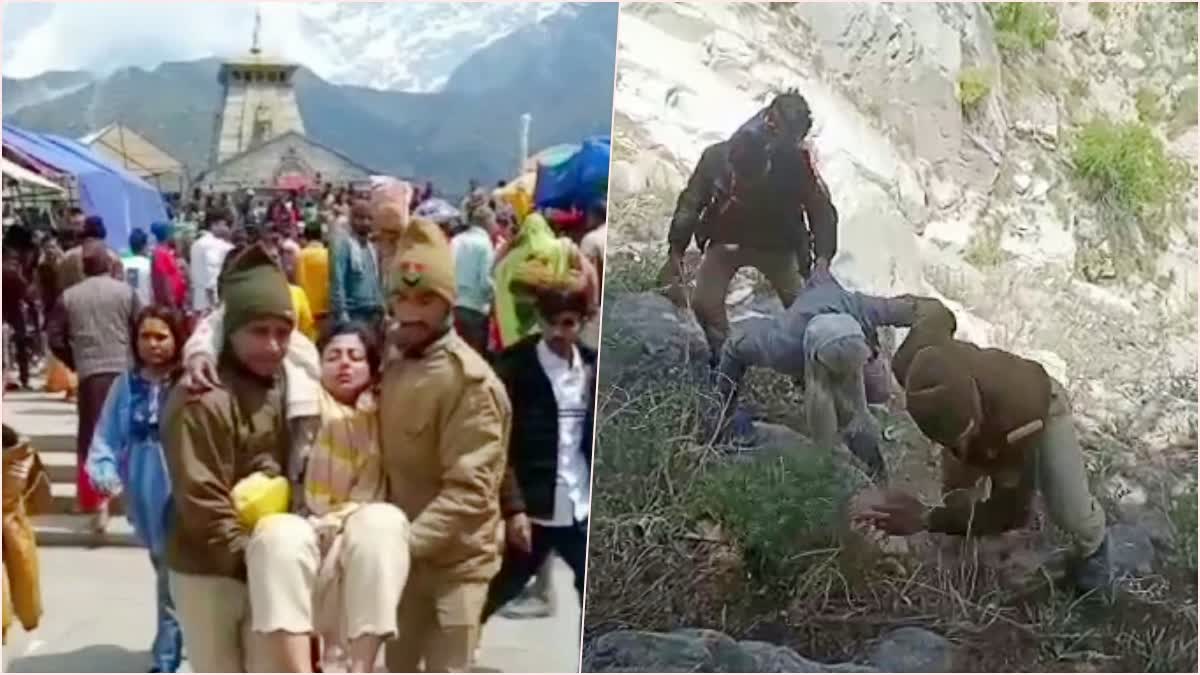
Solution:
(446, 421)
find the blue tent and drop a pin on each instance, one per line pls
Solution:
(123, 200)
(577, 180)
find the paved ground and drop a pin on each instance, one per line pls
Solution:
(99, 618)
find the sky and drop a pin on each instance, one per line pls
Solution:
(38, 37)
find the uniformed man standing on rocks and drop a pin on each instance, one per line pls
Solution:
(757, 201)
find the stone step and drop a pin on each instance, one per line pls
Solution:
(64, 500)
(60, 464)
(67, 529)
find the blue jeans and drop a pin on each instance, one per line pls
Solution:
(167, 650)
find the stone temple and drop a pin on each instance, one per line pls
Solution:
(261, 140)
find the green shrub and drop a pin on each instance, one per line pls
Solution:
(1100, 10)
(973, 86)
(1023, 25)
(1127, 166)
(778, 509)
(1146, 103)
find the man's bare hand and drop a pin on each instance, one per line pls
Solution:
(200, 375)
(519, 533)
(893, 511)
(820, 269)
(670, 279)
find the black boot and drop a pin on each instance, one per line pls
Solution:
(1094, 571)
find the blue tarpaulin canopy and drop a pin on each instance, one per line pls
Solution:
(574, 180)
(123, 200)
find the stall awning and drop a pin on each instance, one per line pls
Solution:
(19, 173)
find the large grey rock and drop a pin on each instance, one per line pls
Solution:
(1132, 550)
(634, 651)
(645, 326)
(914, 650)
(697, 651)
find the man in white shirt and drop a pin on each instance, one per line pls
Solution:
(546, 494)
(137, 267)
(208, 255)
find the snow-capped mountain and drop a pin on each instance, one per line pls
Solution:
(398, 46)
(401, 45)
(467, 129)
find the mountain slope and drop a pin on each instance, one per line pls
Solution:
(401, 46)
(405, 46)
(467, 131)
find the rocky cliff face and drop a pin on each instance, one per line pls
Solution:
(944, 190)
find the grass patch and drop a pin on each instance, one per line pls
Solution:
(1023, 26)
(984, 249)
(1146, 101)
(778, 510)
(1126, 169)
(1181, 512)
(686, 537)
(1100, 10)
(633, 273)
(974, 84)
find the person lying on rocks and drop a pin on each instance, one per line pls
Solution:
(999, 418)
(829, 339)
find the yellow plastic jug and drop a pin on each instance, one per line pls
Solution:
(259, 495)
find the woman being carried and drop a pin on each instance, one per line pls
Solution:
(337, 564)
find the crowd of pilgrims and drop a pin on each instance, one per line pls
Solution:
(342, 423)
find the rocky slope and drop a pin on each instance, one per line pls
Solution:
(923, 185)
(945, 191)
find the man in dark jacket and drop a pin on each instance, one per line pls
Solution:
(1005, 424)
(16, 310)
(828, 338)
(70, 269)
(545, 498)
(755, 200)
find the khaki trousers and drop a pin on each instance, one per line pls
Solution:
(284, 563)
(1057, 469)
(214, 613)
(835, 401)
(720, 263)
(438, 624)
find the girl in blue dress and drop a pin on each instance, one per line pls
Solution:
(127, 457)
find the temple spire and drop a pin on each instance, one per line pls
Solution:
(254, 46)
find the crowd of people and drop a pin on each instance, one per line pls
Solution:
(339, 427)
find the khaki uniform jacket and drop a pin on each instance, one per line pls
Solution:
(445, 421)
(211, 442)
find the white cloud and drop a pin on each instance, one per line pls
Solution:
(102, 37)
